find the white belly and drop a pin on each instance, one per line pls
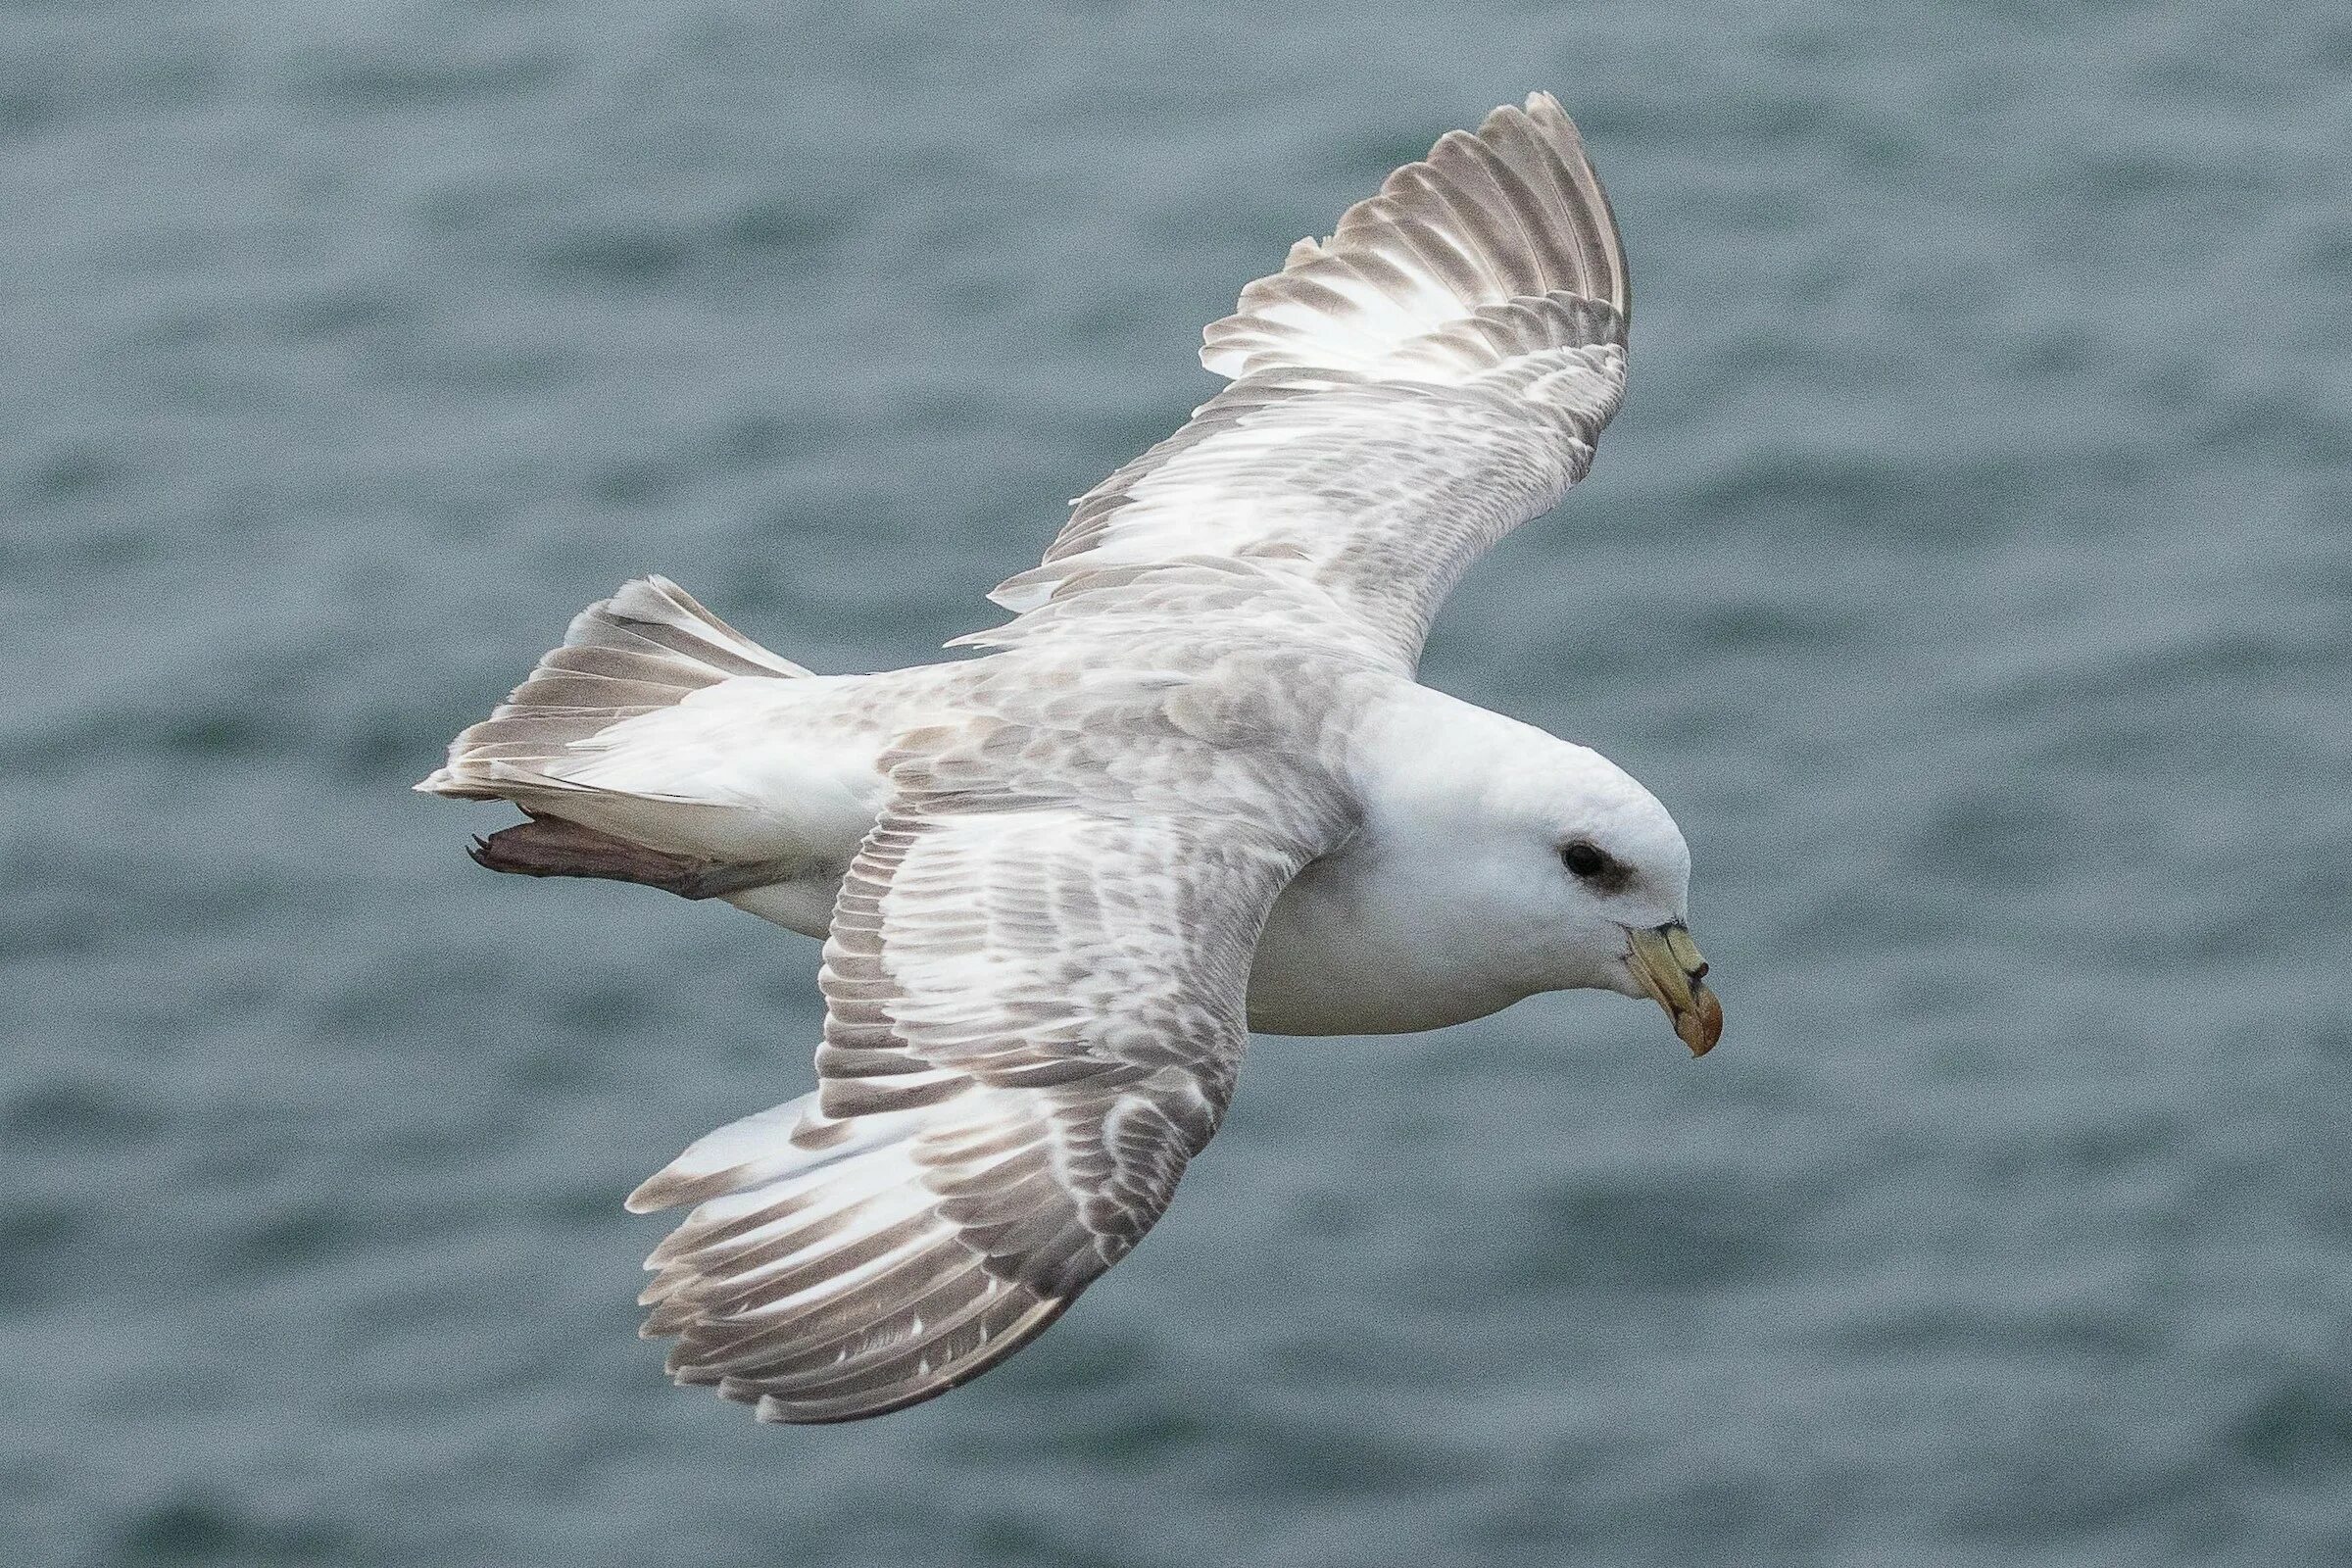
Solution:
(1337, 958)
(1334, 960)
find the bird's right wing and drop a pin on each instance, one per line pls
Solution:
(1406, 392)
(1035, 1009)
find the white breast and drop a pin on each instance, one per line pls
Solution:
(1348, 951)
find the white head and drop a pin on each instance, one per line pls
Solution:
(1550, 867)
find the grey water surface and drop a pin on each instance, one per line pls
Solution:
(1969, 570)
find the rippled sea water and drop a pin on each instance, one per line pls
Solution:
(1969, 570)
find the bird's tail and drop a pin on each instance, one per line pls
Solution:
(648, 646)
(646, 749)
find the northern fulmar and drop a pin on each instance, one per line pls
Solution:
(1191, 789)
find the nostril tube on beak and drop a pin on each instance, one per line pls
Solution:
(1684, 951)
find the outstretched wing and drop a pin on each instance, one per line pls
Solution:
(1035, 1012)
(1406, 392)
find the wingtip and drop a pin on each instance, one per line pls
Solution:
(653, 1194)
(1518, 198)
(1026, 590)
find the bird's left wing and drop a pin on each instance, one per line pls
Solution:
(1035, 1009)
(1406, 392)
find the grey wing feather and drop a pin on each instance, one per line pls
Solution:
(1407, 392)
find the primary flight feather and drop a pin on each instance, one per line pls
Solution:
(1189, 790)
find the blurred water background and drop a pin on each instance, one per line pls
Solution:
(1969, 570)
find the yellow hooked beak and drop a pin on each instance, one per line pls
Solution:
(1667, 963)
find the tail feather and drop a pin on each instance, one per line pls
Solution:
(648, 647)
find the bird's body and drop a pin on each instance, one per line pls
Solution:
(1191, 789)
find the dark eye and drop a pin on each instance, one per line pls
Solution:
(1587, 861)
